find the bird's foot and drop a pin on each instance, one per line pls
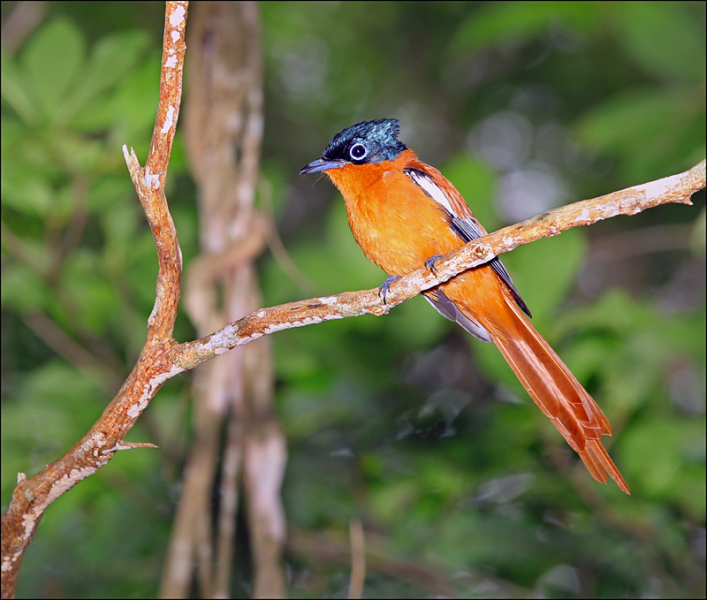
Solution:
(430, 263)
(383, 289)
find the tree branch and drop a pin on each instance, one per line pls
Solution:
(31, 497)
(162, 358)
(676, 188)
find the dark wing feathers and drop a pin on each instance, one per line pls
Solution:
(462, 222)
(448, 309)
(468, 230)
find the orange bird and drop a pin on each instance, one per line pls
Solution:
(405, 213)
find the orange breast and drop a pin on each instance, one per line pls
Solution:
(395, 223)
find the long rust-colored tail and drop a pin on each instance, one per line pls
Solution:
(556, 391)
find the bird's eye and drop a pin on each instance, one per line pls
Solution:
(358, 152)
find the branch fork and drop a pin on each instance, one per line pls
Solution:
(162, 357)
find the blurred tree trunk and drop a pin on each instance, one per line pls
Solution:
(238, 446)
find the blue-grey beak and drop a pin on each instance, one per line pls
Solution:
(321, 165)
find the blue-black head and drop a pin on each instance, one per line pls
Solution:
(364, 143)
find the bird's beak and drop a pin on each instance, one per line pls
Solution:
(321, 165)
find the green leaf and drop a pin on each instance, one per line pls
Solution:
(672, 121)
(14, 92)
(26, 191)
(56, 404)
(520, 22)
(656, 451)
(94, 296)
(126, 110)
(109, 191)
(633, 370)
(111, 59)
(391, 501)
(663, 39)
(53, 59)
(615, 312)
(587, 355)
(119, 221)
(22, 289)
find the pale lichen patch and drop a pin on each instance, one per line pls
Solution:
(149, 391)
(221, 338)
(656, 189)
(169, 120)
(177, 17)
(150, 180)
(583, 216)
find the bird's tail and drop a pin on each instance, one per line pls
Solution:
(556, 391)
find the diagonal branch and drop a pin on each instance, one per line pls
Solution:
(631, 201)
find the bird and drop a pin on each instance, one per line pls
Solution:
(404, 214)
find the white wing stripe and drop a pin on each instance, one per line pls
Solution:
(432, 190)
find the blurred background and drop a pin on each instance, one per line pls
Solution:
(402, 422)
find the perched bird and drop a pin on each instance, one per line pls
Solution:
(403, 214)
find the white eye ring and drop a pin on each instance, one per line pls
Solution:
(358, 152)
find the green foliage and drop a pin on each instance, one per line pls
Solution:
(78, 259)
(402, 421)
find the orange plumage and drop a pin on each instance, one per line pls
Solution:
(403, 212)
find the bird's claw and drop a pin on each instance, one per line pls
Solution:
(430, 263)
(385, 286)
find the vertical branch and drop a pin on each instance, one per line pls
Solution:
(155, 365)
(150, 182)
